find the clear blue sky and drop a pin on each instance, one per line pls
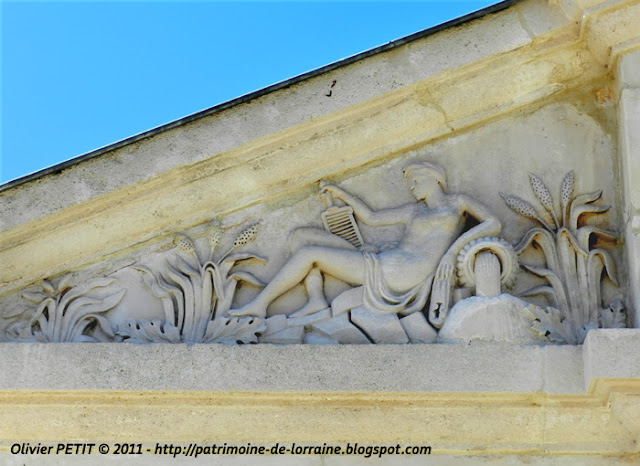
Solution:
(78, 75)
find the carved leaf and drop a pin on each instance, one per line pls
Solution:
(158, 291)
(607, 261)
(614, 315)
(583, 235)
(550, 323)
(568, 237)
(154, 331)
(48, 287)
(546, 291)
(555, 283)
(546, 241)
(242, 256)
(585, 209)
(185, 268)
(234, 330)
(247, 277)
(35, 297)
(586, 198)
(84, 289)
(64, 282)
(82, 308)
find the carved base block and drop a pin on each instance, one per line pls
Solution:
(381, 328)
(500, 318)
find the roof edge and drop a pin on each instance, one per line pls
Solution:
(59, 167)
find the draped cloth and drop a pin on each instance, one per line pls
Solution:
(380, 299)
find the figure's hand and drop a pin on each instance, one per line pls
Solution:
(332, 190)
(446, 269)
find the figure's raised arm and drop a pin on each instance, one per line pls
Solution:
(393, 216)
(488, 225)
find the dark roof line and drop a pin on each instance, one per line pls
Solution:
(259, 93)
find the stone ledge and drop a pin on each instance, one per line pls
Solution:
(611, 353)
(451, 423)
(479, 367)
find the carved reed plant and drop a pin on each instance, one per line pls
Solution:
(196, 295)
(69, 314)
(574, 268)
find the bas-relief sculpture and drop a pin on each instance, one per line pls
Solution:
(444, 280)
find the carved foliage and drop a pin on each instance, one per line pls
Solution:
(69, 314)
(574, 267)
(196, 295)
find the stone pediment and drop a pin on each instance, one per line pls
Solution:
(507, 104)
(474, 182)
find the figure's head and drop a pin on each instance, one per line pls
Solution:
(423, 178)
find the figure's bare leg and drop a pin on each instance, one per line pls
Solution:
(316, 237)
(345, 265)
(313, 284)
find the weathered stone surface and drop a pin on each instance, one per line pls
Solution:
(275, 324)
(340, 328)
(501, 318)
(418, 329)
(316, 338)
(306, 321)
(611, 353)
(381, 328)
(288, 336)
(486, 367)
(346, 301)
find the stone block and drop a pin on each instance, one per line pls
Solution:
(563, 369)
(275, 324)
(341, 329)
(346, 301)
(499, 318)
(611, 353)
(542, 17)
(418, 329)
(305, 321)
(317, 338)
(288, 336)
(629, 70)
(381, 328)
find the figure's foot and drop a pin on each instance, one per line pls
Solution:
(314, 305)
(252, 308)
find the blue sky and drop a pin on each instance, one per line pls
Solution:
(79, 75)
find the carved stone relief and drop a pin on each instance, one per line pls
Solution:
(445, 278)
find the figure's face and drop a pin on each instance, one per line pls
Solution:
(422, 185)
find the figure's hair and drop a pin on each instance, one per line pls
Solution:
(427, 168)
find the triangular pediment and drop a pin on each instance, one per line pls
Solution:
(522, 88)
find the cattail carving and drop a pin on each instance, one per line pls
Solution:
(523, 208)
(247, 235)
(544, 196)
(566, 192)
(185, 244)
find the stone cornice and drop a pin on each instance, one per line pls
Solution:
(598, 423)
